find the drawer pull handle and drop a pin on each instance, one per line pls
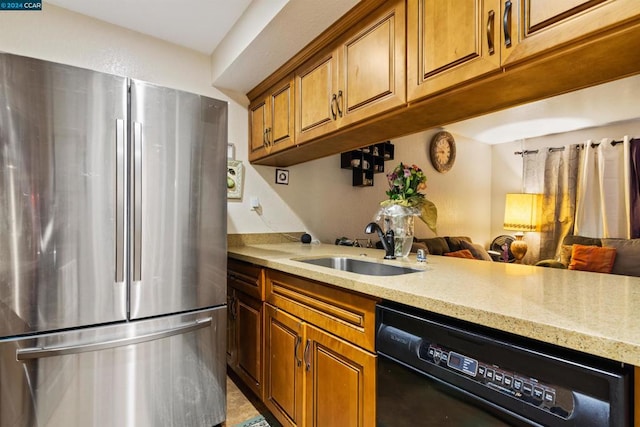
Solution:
(491, 31)
(334, 101)
(307, 362)
(295, 351)
(506, 23)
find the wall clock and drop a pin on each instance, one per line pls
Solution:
(442, 151)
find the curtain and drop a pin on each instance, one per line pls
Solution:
(604, 202)
(634, 172)
(554, 173)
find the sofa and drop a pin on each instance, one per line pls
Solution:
(456, 246)
(602, 255)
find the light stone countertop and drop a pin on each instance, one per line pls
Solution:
(594, 313)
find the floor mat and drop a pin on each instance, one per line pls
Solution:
(258, 421)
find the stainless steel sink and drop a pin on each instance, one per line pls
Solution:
(359, 267)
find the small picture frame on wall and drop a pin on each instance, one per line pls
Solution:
(235, 171)
(282, 176)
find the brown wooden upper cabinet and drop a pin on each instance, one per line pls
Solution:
(453, 42)
(271, 121)
(379, 73)
(550, 24)
(359, 76)
(450, 42)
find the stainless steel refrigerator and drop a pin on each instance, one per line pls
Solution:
(112, 250)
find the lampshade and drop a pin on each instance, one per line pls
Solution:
(522, 212)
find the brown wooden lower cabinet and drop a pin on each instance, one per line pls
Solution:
(340, 382)
(244, 339)
(313, 378)
(284, 371)
(305, 348)
(244, 323)
(249, 327)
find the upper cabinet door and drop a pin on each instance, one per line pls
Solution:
(258, 124)
(281, 130)
(372, 66)
(541, 14)
(316, 111)
(362, 76)
(271, 121)
(450, 42)
(550, 24)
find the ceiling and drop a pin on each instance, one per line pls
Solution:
(249, 39)
(595, 106)
(197, 24)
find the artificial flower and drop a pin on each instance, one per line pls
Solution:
(405, 184)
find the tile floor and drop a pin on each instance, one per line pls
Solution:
(242, 404)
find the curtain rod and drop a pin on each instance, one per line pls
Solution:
(614, 143)
(554, 149)
(525, 152)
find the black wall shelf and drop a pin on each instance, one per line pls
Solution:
(366, 161)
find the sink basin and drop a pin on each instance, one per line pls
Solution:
(359, 267)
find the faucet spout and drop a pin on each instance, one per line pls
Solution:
(387, 239)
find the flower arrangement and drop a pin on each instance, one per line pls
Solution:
(405, 184)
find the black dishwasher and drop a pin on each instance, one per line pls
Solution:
(438, 371)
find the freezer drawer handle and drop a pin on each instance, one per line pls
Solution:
(40, 352)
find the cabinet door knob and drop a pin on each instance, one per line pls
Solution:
(339, 102)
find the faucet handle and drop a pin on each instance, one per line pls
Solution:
(389, 236)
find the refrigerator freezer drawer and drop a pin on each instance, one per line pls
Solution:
(168, 371)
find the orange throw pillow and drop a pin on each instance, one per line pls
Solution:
(464, 253)
(592, 258)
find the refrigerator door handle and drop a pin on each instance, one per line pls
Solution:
(120, 196)
(137, 202)
(41, 352)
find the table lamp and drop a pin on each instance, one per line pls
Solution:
(521, 213)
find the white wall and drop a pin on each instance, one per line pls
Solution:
(321, 192)
(59, 35)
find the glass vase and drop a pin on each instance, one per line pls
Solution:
(400, 219)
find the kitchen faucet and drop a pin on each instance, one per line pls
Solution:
(386, 239)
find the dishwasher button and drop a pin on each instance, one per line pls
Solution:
(538, 393)
(517, 384)
(432, 352)
(527, 389)
(489, 374)
(508, 381)
(550, 397)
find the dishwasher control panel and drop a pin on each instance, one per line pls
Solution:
(548, 397)
(509, 375)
